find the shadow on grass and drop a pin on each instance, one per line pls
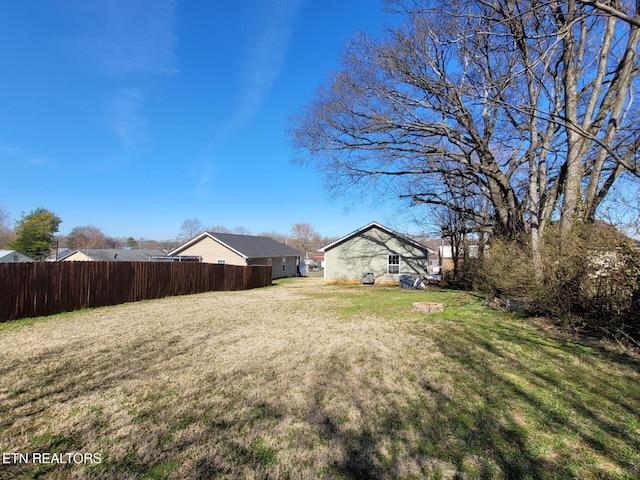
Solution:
(569, 390)
(46, 383)
(436, 436)
(538, 412)
(496, 402)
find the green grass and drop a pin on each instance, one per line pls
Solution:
(13, 325)
(517, 401)
(332, 382)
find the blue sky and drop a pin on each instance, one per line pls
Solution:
(135, 115)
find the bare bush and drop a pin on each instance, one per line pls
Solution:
(588, 281)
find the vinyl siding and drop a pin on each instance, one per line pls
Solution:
(212, 251)
(291, 267)
(369, 251)
(77, 257)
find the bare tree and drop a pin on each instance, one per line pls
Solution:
(530, 102)
(615, 9)
(89, 237)
(304, 239)
(278, 237)
(6, 232)
(622, 210)
(463, 216)
(189, 229)
(220, 229)
(240, 230)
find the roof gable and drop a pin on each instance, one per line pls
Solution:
(11, 256)
(378, 226)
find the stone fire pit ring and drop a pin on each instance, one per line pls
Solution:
(428, 307)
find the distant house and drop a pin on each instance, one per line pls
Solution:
(58, 253)
(317, 261)
(446, 259)
(11, 256)
(232, 249)
(374, 254)
(446, 256)
(113, 255)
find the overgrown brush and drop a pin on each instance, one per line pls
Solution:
(589, 281)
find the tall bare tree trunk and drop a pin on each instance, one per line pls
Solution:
(571, 189)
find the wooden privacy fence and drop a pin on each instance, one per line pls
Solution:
(45, 288)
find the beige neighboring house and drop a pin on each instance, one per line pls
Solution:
(446, 259)
(232, 249)
(113, 255)
(374, 254)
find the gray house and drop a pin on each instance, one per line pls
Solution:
(232, 249)
(374, 254)
(11, 256)
(112, 255)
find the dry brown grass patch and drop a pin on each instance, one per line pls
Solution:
(236, 383)
(303, 380)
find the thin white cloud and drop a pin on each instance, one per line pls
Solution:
(121, 37)
(17, 155)
(39, 161)
(7, 149)
(129, 41)
(265, 59)
(203, 174)
(125, 116)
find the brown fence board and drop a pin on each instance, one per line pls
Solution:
(43, 288)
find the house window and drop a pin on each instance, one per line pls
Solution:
(284, 264)
(221, 261)
(393, 265)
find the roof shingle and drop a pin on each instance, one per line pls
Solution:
(251, 246)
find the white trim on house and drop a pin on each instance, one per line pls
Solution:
(381, 227)
(195, 240)
(374, 250)
(235, 249)
(393, 263)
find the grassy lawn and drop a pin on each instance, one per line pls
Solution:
(301, 380)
